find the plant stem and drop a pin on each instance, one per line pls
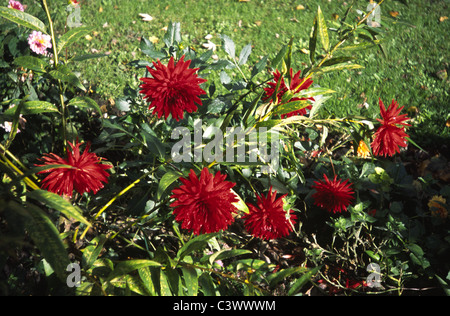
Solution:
(56, 62)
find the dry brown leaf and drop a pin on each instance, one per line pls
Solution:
(393, 13)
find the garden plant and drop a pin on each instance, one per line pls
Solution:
(211, 174)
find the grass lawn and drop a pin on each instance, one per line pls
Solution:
(415, 59)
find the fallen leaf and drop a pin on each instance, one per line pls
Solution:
(393, 13)
(153, 39)
(145, 17)
(258, 23)
(335, 16)
(304, 51)
(443, 18)
(300, 7)
(100, 10)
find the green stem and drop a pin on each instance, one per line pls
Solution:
(56, 62)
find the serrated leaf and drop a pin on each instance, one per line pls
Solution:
(245, 52)
(58, 203)
(72, 36)
(323, 31)
(166, 180)
(229, 46)
(23, 19)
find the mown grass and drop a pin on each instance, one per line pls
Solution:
(409, 69)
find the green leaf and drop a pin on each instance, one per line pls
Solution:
(72, 36)
(63, 73)
(125, 267)
(259, 66)
(276, 277)
(276, 61)
(23, 19)
(323, 32)
(34, 107)
(172, 36)
(245, 52)
(337, 67)
(146, 277)
(191, 280)
(229, 46)
(445, 286)
(313, 41)
(207, 284)
(303, 280)
(227, 253)
(166, 180)
(148, 49)
(337, 60)
(31, 62)
(86, 102)
(317, 105)
(290, 107)
(46, 238)
(91, 252)
(58, 203)
(194, 244)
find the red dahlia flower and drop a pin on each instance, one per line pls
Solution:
(333, 195)
(204, 204)
(295, 86)
(85, 174)
(269, 220)
(389, 136)
(173, 89)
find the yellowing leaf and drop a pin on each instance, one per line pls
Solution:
(393, 13)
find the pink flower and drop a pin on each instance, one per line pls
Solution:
(39, 42)
(15, 5)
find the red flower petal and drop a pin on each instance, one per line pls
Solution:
(86, 174)
(334, 196)
(204, 204)
(390, 137)
(172, 89)
(269, 220)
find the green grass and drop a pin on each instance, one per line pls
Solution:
(414, 43)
